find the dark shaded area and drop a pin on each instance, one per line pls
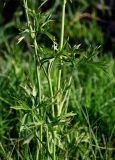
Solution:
(9, 9)
(104, 12)
(107, 23)
(105, 19)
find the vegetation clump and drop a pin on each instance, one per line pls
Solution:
(57, 92)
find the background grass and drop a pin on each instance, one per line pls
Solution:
(82, 125)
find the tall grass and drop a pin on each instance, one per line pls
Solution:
(59, 101)
(45, 120)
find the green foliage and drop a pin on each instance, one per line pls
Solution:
(56, 95)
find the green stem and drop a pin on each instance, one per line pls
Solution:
(27, 16)
(65, 97)
(37, 59)
(53, 113)
(51, 94)
(60, 72)
(62, 25)
(61, 46)
(37, 65)
(62, 37)
(48, 76)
